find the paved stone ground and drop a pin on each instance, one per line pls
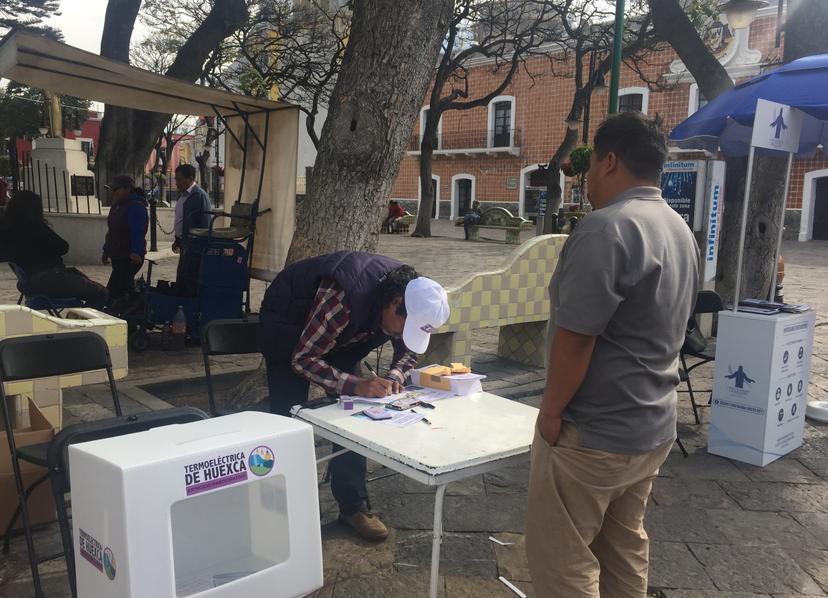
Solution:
(718, 528)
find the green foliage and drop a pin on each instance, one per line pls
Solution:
(579, 159)
(701, 12)
(28, 14)
(23, 111)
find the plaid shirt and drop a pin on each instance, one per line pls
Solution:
(329, 316)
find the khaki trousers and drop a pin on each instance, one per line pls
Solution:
(585, 524)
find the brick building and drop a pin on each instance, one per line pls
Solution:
(489, 153)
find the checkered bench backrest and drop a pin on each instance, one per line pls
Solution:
(513, 294)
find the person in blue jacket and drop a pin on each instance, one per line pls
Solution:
(125, 245)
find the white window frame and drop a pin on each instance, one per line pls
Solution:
(524, 174)
(455, 200)
(491, 118)
(645, 96)
(439, 127)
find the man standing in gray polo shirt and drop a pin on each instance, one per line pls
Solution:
(621, 295)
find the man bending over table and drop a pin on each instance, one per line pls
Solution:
(319, 319)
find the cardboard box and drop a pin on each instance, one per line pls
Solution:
(225, 508)
(41, 503)
(468, 384)
(760, 390)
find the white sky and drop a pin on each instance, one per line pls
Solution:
(81, 22)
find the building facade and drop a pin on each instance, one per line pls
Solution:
(490, 153)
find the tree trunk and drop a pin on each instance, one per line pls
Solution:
(673, 26)
(554, 192)
(427, 147)
(127, 136)
(372, 111)
(118, 25)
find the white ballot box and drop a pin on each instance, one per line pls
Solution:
(763, 365)
(219, 508)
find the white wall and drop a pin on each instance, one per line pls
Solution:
(85, 233)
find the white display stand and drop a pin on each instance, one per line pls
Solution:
(219, 508)
(763, 366)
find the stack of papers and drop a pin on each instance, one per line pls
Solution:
(416, 393)
(760, 306)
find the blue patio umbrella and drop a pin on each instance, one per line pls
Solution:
(727, 121)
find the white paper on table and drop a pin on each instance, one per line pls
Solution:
(416, 393)
(403, 419)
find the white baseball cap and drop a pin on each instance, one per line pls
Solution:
(426, 303)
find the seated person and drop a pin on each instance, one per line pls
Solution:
(394, 211)
(472, 217)
(27, 240)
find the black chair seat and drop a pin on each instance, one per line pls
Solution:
(683, 376)
(35, 453)
(707, 354)
(232, 232)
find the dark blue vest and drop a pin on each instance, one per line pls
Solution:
(289, 298)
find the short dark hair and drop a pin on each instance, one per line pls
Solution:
(393, 285)
(188, 170)
(637, 141)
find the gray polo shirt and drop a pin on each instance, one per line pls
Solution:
(628, 275)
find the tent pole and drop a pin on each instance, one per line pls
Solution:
(227, 128)
(772, 293)
(743, 230)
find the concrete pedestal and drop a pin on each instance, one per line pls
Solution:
(54, 161)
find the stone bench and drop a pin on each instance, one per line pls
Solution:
(499, 219)
(512, 298)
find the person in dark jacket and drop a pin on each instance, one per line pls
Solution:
(472, 217)
(28, 242)
(191, 211)
(125, 244)
(320, 318)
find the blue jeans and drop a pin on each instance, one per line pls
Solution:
(348, 470)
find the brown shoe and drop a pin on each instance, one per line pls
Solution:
(367, 525)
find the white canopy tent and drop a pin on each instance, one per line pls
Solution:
(260, 144)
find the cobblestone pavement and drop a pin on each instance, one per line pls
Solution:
(719, 528)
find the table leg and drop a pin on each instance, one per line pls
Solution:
(438, 539)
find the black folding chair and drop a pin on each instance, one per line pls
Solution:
(43, 356)
(227, 337)
(58, 459)
(696, 345)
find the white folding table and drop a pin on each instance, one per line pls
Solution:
(468, 436)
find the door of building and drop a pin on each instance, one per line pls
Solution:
(463, 196)
(434, 201)
(821, 210)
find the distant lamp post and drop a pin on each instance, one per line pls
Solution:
(615, 74)
(741, 13)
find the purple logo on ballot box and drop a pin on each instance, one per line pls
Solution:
(91, 550)
(211, 474)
